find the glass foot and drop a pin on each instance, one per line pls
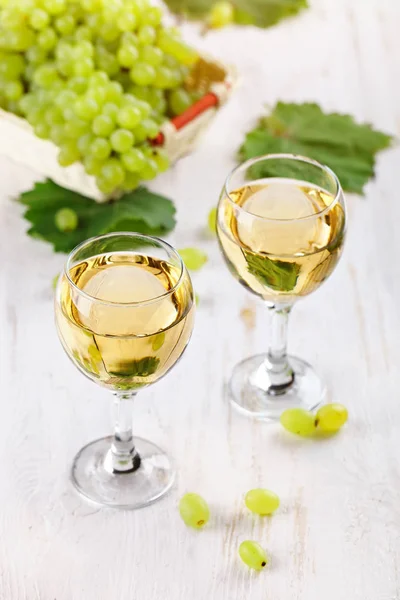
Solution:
(94, 478)
(252, 393)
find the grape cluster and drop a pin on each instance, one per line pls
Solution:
(97, 78)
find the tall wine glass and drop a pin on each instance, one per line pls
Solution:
(281, 228)
(124, 314)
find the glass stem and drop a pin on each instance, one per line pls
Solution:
(279, 370)
(124, 457)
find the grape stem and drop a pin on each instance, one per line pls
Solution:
(123, 456)
(279, 371)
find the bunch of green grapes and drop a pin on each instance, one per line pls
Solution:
(97, 78)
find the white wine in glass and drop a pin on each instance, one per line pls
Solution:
(281, 227)
(124, 314)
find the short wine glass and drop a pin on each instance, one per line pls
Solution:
(281, 228)
(124, 313)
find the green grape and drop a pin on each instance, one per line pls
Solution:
(129, 38)
(298, 421)
(42, 130)
(142, 73)
(92, 6)
(86, 108)
(47, 39)
(11, 67)
(146, 35)
(57, 135)
(253, 555)
(13, 90)
(68, 155)
(39, 19)
(150, 170)
(27, 103)
(194, 510)
(84, 67)
(121, 140)
(54, 7)
(162, 160)
(261, 501)
(221, 15)
(84, 49)
(94, 21)
(83, 33)
(193, 258)
(151, 55)
(78, 85)
(113, 172)
(171, 62)
(54, 116)
(100, 149)
(331, 417)
(65, 25)
(109, 32)
(197, 299)
(129, 117)
(65, 220)
(103, 126)
(212, 220)
(35, 116)
(133, 160)
(158, 341)
(77, 128)
(98, 94)
(65, 99)
(108, 63)
(144, 107)
(172, 45)
(127, 21)
(92, 165)
(104, 185)
(157, 100)
(179, 101)
(131, 181)
(152, 16)
(45, 76)
(166, 78)
(127, 56)
(111, 110)
(114, 92)
(18, 40)
(36, 55)
(147, 129)
(98, 79)
(85, 142)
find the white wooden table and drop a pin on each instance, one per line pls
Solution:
(337, 534)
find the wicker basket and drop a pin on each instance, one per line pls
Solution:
(177, 136)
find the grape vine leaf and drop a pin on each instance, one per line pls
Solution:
(277, 275)
(141, 211)
(335, 140)
(262, 13)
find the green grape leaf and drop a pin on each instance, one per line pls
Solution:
(262, 13)
(140, 211)
(335, 140)
(277, 275)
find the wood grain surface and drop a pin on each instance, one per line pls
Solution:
(337, 533)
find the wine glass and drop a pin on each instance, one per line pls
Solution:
(124, 313)
(281, 227)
